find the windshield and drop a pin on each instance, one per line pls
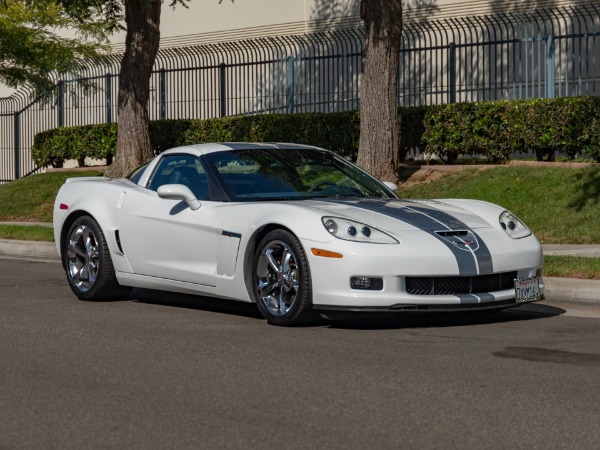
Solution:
(279, 174)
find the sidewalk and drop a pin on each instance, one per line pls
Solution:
(563, 290)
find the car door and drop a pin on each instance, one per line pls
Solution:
(165, 238)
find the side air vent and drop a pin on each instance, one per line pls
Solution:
(118, 239)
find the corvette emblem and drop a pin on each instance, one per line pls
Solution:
(462, 239)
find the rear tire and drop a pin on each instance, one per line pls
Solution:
(281, 280)
(88, 264)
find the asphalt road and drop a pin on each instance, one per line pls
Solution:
(162, 371)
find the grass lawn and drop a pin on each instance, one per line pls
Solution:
(26, 233)
(31, 199)
(572, 267)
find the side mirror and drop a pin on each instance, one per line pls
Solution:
(179, 192)
(390, 185)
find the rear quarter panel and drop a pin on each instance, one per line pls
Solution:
(98, 198)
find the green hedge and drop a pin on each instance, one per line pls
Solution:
(570, 125)
(497, 129)
(53, 147)
(335, 131)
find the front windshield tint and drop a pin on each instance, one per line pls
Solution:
(271, 174)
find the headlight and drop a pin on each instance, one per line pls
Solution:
(513, 226)
(350, 230)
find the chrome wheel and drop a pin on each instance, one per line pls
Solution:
(83, 258)
(278, 277)
(87, 262)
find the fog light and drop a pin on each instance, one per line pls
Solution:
(366, 283)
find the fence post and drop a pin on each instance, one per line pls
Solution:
(452, 71)
(61, 103)
(223, 90)
(108, 96)
(289, 88)
(17, 131)
(550, 67)
(163, 93)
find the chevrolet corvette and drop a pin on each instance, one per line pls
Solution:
(295, 229)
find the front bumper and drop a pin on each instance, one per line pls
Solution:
(394, 263)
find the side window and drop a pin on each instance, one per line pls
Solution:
(181, 169)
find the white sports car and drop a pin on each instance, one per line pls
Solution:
(295, 229)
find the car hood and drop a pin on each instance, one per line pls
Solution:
(402, 214)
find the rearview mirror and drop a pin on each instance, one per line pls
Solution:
(179, 192)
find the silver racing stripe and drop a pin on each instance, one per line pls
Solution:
(430, 220)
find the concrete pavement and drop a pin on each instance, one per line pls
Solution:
(564, 290)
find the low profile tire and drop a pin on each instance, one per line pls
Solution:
(88, 263)
(281, 277)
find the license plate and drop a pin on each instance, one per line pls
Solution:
(527, 289)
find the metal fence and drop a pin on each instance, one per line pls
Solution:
(541, 53)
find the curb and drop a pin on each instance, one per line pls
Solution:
(30, 249)
(588, 251)
(572, 290)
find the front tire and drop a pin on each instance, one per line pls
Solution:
(88, 264)
(281, 279)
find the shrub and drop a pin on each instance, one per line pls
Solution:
(497, 129)
(338, 132)
(53, 147)
(449, 130)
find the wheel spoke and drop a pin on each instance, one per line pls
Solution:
(74, 272)
(91, 273)
(272, 261)
(75, 249)
(291, 284)
(282, 306)
(89, 247)
(267, 288)
(287, 257)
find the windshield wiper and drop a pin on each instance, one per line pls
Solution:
(276, 199)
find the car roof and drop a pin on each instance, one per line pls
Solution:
(203, 149)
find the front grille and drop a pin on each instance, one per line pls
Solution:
(460, 285)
